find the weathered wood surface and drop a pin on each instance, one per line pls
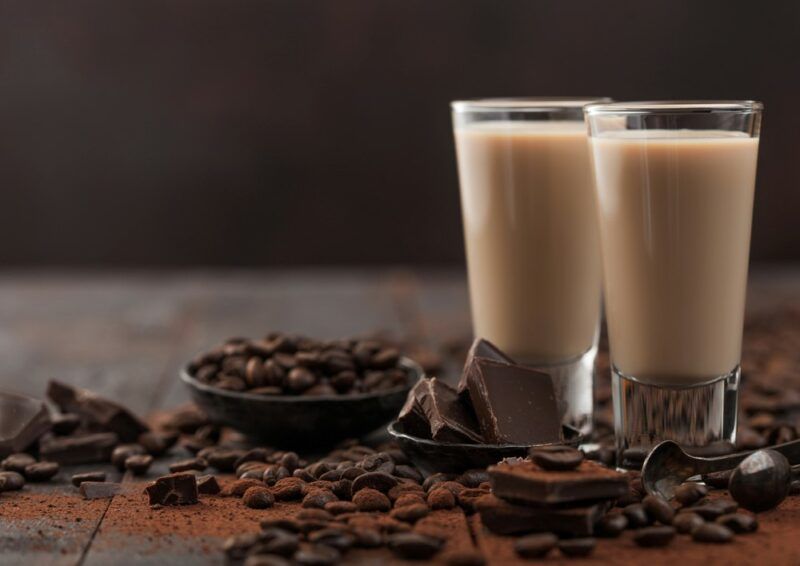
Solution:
(126, 336)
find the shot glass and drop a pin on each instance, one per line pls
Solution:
(675, 183)
(530, 230)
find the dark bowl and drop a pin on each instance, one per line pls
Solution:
(431, 456)
(296, 421)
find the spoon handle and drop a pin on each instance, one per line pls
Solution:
(707, 465)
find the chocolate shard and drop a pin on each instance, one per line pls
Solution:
(98, 411)
(24, 420)
(84, 449)
(174, 489)
(525, 482)
(450, 420)
(504, 518)
(99, 490)
(514, 404)
(481, 348)
(412, 416)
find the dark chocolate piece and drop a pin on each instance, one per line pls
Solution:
(449, 419)
(411, 416)
(514, 404)
(504, 518)
(208, 485)
(481, 348)
(99, 490)
(98, 411)
(526, 482)
(24, 420)
(174, 489)
(85, 449)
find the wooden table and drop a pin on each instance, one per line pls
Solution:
(126, 334)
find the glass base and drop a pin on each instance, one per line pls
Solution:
(573, 382)
(700, 417)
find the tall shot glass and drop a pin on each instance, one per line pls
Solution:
(530, 230)
(675, 183)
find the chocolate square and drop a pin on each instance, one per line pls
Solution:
(411, 416)
(450, 420)
(481, 348)
(504, 518)
(514, 404)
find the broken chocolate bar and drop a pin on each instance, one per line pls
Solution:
(174, 489)
(504, 518)
(98, 411)
(481, 348)
(411, 416)
(525, 482)
(514, 404)
(24, 420)
(450, 420)
(84, 449)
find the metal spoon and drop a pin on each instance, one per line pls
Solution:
(668, 465)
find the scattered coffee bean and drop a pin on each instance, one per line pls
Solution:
(123, 452)
(739, 523)
(633, 458)
(712, 532)
(690, 493)
(686, 522)
(713, 509)
(557, 458)
(441, 499)
(658, 509)
(198, 464)
(17, 462)
(473, 478)
(339, 507)
(288, 489)
(317, 555)
(238, 487)
(577, 546)
(174, 489)
(208, 485)
(369, 499)
(375, 480)
(536, 545)
(11, 481)
(158, 443)
(99, 490)
(138, 464)
(761, 481)
(318, 498)
(409, 499)
(637, 515)
(660, 535)
(336, 538)
(611, 525)
(258, 498)
(718, 480)
(410, 513)
(40, 471)
(414, 546)
(435, 479)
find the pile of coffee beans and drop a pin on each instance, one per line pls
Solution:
(284, 364)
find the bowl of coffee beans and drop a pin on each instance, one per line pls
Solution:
(293, 390)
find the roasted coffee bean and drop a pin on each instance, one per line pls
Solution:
(343, 489)
(380, 462)
(473, 478)
(712, 532)
(259, 454)
(17, 462)
(332, 475)
(761, 481)
(78, 479)
(339, 507)
(385, 358)
(658, 509)
(236, 547)
(40, 471)
(407, 472)
(603, 454)
(739, 522)
(138, 464)
(577, 546)
(314, 514)
(369, 499)
(157, 443)
(208, 485)
(197, 464)
(441, 499)
(466, 498)
(718, 480)
(637, 516)
(794, 488)
(374, 480)
(535, 546)
(633, 458)
(454, 487)
(690, 492)
(414, 546)
(556, 457)
(123, 452)
(654, 536)
(367, 538)
(320, 390)
(403, 488)
(611, 525)
(410, 513)
(303, 474)
(238, 487)
(344, 381)
(686, 522)
(266, 560)
(300, 379)
(409, 499)
(223, 459)
(290, 461)
(278, 541)
(434, 479)
(464, 558)
(11, 481)
(258, 498)
(317, 555)
(64, 424)
(289, 489)
(713, 509)
(318, 497)
(337, 538)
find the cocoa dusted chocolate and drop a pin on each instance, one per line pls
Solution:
(505, 518)
(514, 404)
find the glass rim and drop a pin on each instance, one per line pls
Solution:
(526, 104)
(674, 107)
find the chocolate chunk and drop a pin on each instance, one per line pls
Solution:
(514, 404)
(78, 479)
(40, 471)
(412, 416)
(556, 457)
(24, 421)
(504, 518)
(208, 485)
(535, 546)
(174, 489)
(98, 411)
(577, 546)
(84, 449)
(99, 490)
(654, 536)
(414, 546)
(450, 420)
(526, 482)
(11, 481)
(481, 348)
(712, 532)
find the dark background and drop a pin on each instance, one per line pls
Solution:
(229, 132)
